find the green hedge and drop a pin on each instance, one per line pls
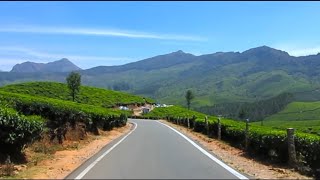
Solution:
(16, 130)
(58, 112)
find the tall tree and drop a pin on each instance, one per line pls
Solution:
(189, 97)
(74, 83)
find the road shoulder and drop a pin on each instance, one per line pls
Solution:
(64, 162)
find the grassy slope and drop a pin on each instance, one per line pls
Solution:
(221, 87)
(304, 116)
(88, 95)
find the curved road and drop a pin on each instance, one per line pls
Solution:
(153, 150)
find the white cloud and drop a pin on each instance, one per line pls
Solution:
(9, 56)
(98, 32)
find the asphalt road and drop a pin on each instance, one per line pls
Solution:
(153, 150)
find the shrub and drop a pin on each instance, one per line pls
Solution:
(16, 130)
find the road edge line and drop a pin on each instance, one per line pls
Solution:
(88, 168)
(228, 168)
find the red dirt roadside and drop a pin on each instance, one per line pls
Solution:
(63, 162)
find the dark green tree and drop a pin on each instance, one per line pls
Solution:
(121, 86)
(189, 97)
(242, 114)
(74, 83)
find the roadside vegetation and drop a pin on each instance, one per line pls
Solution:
(266, 142)
(17, 130)
(41, 115)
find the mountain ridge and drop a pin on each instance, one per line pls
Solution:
(221, 77)
(62, 65)
(258, 49)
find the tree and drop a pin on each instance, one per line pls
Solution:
(189, 97)
(74, 83)
(121, 86)
(242, 113)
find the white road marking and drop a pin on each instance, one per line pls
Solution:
(84, 172)
(234, 172)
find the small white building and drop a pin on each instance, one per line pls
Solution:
(123, 108)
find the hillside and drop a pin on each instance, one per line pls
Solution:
(63, 65)
(298, 111)
(223, 77)
(304, 116)
(258, 73)
(255, 111)
(87, 95)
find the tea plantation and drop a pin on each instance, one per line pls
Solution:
(87, 95)
(30, 109)
(303, 116)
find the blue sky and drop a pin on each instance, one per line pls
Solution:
(114, 33)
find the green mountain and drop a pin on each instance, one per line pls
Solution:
(258, 73)
(223, 77)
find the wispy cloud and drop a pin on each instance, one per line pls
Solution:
(45, 55)
(9, 56)
(99, 32)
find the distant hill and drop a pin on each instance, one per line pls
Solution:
(63, 65)
(255, 111)
(297, 111)
(303, 116)
(222, 77)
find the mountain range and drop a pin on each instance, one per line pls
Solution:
(222, 77)
(63, 65)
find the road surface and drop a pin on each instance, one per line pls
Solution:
(153, 150)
